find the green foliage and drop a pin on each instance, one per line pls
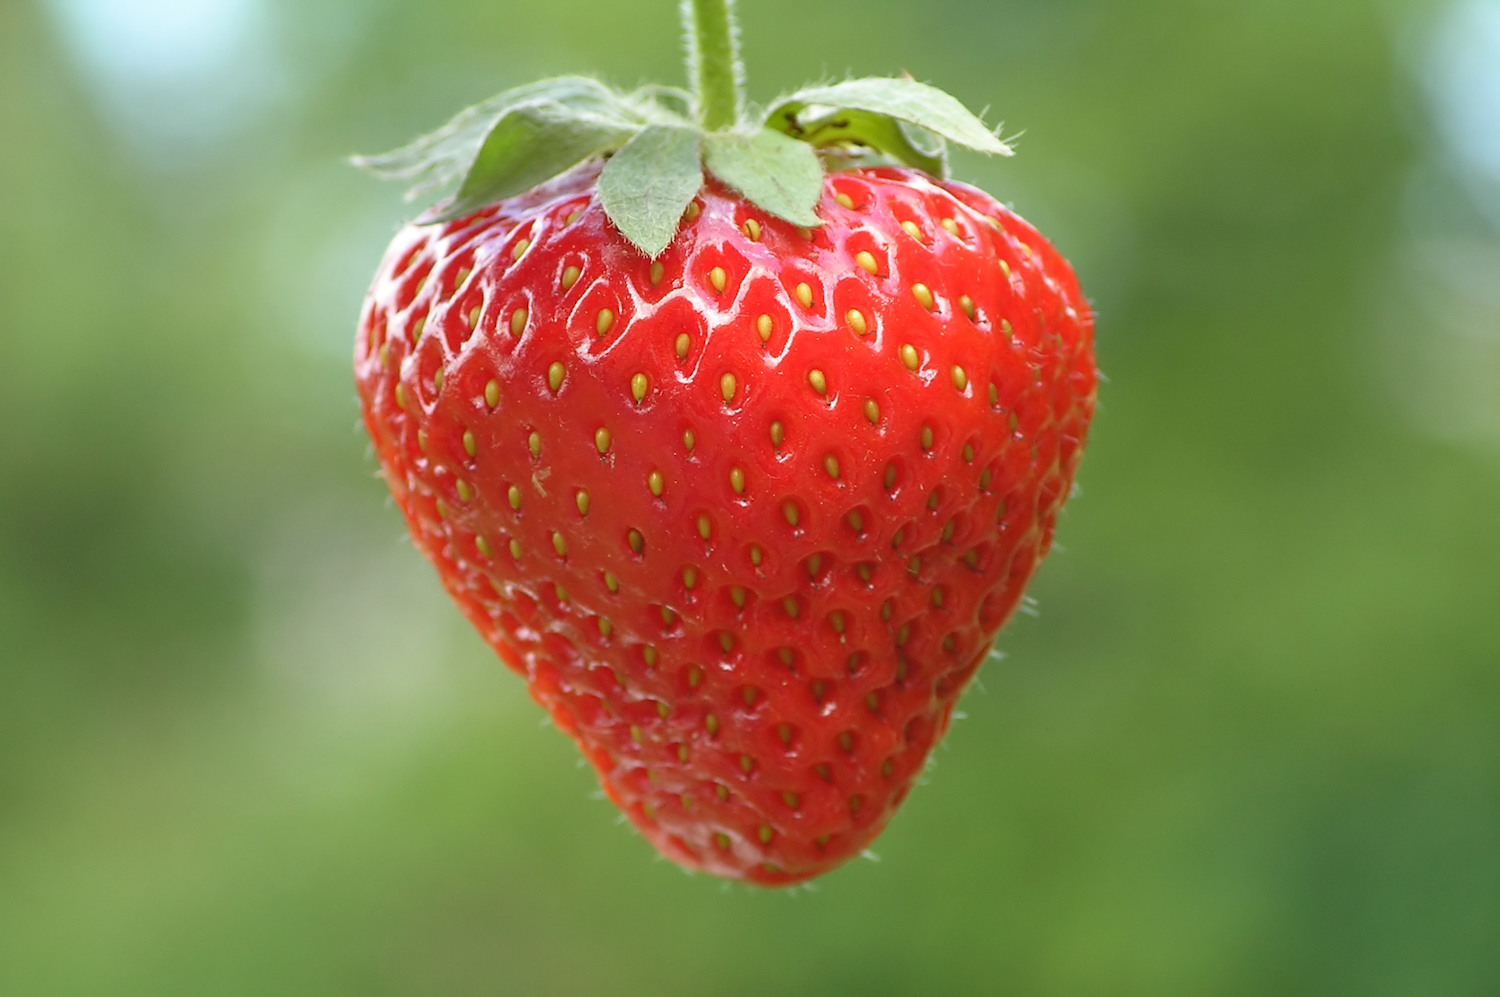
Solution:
(647, 185)
(779, 174)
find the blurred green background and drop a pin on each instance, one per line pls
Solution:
(1250, 745)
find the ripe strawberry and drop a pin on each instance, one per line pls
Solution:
(744, 500)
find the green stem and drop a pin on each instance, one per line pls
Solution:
(714, 68)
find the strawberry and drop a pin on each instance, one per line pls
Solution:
(741, 474)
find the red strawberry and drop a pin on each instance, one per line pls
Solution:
(746, 515)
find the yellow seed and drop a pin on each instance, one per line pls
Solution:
(818, 381)
(649, 654)
(756, 554)
(693, 209)
(727, 386)
(752, 229)
(994, 396)
(605, 627)
(831, 465)
(681, 346)
(472, 319)
(804, 295)
(984, 480)
(422, 440)
(923, 294)
(638, 387)
(655, 482)
(582, 501)
(483, 546)
(517, 321)
(711, 722)
(791, 606)
(1005, 268)
(636, 541)
(889, 480)
(513, 496)
(856, 320)
(968, 453)
(778, 433)
(601, 440)
(857, 524)
(718, 278)
(492, 393)
(570, 277)
(384, 356)
(689, 440)
(689, 576)
(705, 525)
(726, 642)
(814, 565)
(555, 375)
(805, 233)
(573, 216)
(401, 396)
(866, 260)
(465, 491)
(966, 305)
(789, 510)
(470, 444)
(960, 378)
(766, 834)
(909, 356)
(521, 247)
(1026, 251)
(836, 620)
(461, 276)
(656, 273)
(1005, 328)
(926, 437)
(417, 327)
(932, 501)
(635, 734)
(949, 225)
(695, 676)
(737, 596)
(872, 410)
(437, 380)
(763, 327)
(603, 321)
(534, 443)
(910, 228)
(737, 480)
(560, 545)
(844, 199)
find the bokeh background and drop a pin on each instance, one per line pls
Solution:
(1249, 744)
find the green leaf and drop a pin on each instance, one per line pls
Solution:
(779, 174)
(929, 108)
(531, 144)
(896, 139)
(443, 156)
(646, 186)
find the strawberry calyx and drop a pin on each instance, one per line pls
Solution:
(658, 141)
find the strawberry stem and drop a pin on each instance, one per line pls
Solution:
(713, 56)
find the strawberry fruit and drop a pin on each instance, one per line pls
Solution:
(741, 474)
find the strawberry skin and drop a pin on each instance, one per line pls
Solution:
(748, 517)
